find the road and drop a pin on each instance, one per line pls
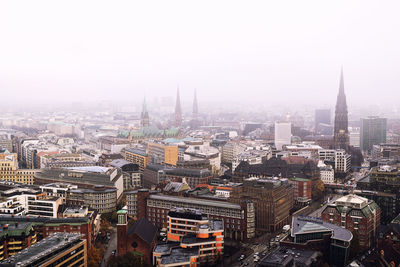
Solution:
(317, 213)
(112, 245)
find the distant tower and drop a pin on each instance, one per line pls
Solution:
(144, 117)
(178, 111)
(341, 132)
(195, 106)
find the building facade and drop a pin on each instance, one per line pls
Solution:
(373, 132)
(357, 214)
(283, 134)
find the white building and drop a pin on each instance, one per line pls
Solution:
(304, 149)
(58, 190)
(341, 159)
(327, 174)
(354, 136)
(230, 150)
(283, 134)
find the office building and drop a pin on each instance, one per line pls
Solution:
(272, 198)
(357, 214)
(339, 158)
(354, 136)
(238, 218)
(60, 248)
(84, 177)
(309, 233)
(15, 237)
(341, 131)
(137, 156)
(373, 132)
(100, 198)
(386, 152)
(283, 134)
(231, 150)
(192, 235)
(163, 153)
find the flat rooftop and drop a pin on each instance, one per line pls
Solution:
(283, 255)
(195, 201)
(38, 253)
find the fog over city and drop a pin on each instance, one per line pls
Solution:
(286, 53)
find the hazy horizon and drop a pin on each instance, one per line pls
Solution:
(254, 52)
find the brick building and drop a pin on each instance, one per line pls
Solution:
(357, 214)
(238, 218)
(301, 191)
(140, 238)
(272, 198)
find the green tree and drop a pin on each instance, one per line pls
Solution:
(94, 257)
(318, 189)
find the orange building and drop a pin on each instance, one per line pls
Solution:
(193, 239)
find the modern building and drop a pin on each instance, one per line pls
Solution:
(309, 233)
(162, 153)
(137, 156)
(85, 226)
(272, 198)
(339, 158)
(354, 136)
(231, 150)
(131, 173)
(289, 257)
(60, 249)
(357, 214)
(58, 190)
(155, 174)
(283, 134)
(139, 239)
(84, 177)
(238, 218)
(304, 149)
(15, 237)
(9, 170)
(100, 198)
(373, 132)
(341, 131)
(386, 152)
(190, 232)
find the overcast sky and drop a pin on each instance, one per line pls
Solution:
(266, 51)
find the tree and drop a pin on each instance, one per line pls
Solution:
(94, 257)
(129, 259)
(318, 189)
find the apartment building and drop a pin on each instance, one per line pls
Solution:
(192, 234)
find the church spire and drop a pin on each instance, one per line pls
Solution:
(178, 111)
(341, 132)
(144, 116)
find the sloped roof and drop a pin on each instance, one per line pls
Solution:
(144, 229)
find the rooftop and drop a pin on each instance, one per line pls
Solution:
(38, 253)
(306, 224)
(282, 256)
(201, 202)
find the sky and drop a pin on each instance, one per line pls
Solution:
(271, 52)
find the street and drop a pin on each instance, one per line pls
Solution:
(317, 213)
(112, 245)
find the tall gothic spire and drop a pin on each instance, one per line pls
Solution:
(341, 132)
(195, 106)
(144, 116)
(178, 111)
